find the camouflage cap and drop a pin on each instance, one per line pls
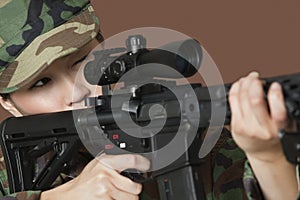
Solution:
(35, 33)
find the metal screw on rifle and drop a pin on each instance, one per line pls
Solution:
(133, 90)
(135, 42)
(186, 126)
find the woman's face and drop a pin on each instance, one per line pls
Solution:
(54, 89)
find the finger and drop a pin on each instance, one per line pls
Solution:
(234, 102)
(110, 178)
(125, 161)
(125, 184)
(258, 104)
(121, 195)
(246, 107)
(277, 106)
(114, 193)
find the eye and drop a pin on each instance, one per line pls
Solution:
(40, 83)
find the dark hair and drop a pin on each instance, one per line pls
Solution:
(99, 37)
(5, 96)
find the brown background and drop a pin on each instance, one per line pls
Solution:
(241, 36)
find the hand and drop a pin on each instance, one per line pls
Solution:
(100, 179)
(254, 127)
(255, 130)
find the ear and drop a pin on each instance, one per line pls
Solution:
(10, 107)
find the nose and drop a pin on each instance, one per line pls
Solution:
(79, 91)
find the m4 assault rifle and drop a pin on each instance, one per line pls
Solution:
(163, 112)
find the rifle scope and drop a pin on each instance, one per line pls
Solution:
(184, 56)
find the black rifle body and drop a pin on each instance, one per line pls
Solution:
(25, 139)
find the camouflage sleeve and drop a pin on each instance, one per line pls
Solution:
(4, 187)
(251, 184)
(26, 195)
(223, 170)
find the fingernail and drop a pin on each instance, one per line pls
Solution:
(275, 86)
(254, 74)
(275, 89)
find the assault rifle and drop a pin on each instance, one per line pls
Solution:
(25, 140)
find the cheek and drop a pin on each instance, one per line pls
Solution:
(40, 102)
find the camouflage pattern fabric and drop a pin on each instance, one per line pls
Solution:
(251, 185)
(224, 169)
(35, 33)
(226, 176)
(4, 187)
(28, 195)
